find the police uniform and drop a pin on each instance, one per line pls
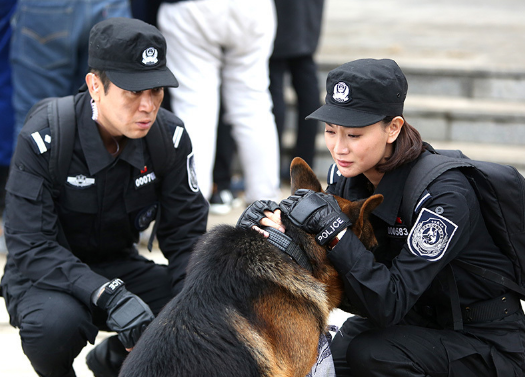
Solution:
(418, 312)
(66, 242)
(402, 289)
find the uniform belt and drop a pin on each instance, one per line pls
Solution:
(492, 309)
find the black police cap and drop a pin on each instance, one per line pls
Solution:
(363, 92)
(131, 52)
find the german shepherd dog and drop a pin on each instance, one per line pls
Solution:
(247, 309)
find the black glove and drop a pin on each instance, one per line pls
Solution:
(255, 212)
(316, 213)
(128, 315)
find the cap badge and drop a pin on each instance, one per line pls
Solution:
(341, 91)
(149, 56)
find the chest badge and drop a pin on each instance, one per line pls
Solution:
(431, 235)
(80, 181)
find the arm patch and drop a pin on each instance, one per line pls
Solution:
(430, 236)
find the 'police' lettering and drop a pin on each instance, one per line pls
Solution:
(330, 230)
(115, 284)
(145, 179)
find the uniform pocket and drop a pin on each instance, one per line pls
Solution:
(81, 200)
(24, 211)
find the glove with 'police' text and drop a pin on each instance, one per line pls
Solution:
(316, 213)
(255, 212)
(128, 315)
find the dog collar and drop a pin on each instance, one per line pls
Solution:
(286, 245)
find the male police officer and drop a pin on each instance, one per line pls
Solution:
(72, 266)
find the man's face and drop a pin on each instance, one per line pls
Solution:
(126, 113)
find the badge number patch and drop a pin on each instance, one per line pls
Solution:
(431, 235)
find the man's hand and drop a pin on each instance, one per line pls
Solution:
(128, 315)
(261, 212)
(316, 213)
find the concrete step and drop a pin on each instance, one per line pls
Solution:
(452, 119)
(513, 155)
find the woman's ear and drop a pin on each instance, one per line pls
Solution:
(93, 84)
(394, 128)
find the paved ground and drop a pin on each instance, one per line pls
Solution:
(446, 33)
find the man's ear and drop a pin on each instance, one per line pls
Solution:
(394, 128)
(94, 85)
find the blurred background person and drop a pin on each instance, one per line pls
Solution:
(50, 45)
(298, 30)
(214, 43)
(7, 8)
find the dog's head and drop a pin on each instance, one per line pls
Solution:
(303, 177)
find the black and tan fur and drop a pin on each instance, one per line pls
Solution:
(246, 308)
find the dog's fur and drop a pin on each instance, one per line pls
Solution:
(246, 308)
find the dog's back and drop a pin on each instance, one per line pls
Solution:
(239, 287)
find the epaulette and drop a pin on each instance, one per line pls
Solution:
(41, 140)
(425, 197)
(177, 135)
(333, 175)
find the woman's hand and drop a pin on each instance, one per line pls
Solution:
(261, 213)
(317, 213)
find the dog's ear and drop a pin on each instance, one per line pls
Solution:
(366, 207)
(303, 177)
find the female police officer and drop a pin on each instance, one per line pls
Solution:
(403, 290)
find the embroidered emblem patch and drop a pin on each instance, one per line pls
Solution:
(149, 56)
(80, 181)
(341, 92)
(431, 235)
(192, 175)
(145, 217)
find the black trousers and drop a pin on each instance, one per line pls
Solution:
(55, 326)
(303, 73)
(360, 350)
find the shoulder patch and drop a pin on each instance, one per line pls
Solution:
(333, 174)
(430, 236)
(41, 140)
(192, 175)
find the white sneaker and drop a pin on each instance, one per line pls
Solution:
(222, 202)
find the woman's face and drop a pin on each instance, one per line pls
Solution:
(358, 150)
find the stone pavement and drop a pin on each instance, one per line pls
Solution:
(459, 34)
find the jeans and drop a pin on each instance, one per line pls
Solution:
(49, 47)
(7, 8)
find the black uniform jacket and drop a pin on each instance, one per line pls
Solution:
(402, 280)
(101, 208)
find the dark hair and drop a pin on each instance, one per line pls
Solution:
(407, 147)
(103, 77)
